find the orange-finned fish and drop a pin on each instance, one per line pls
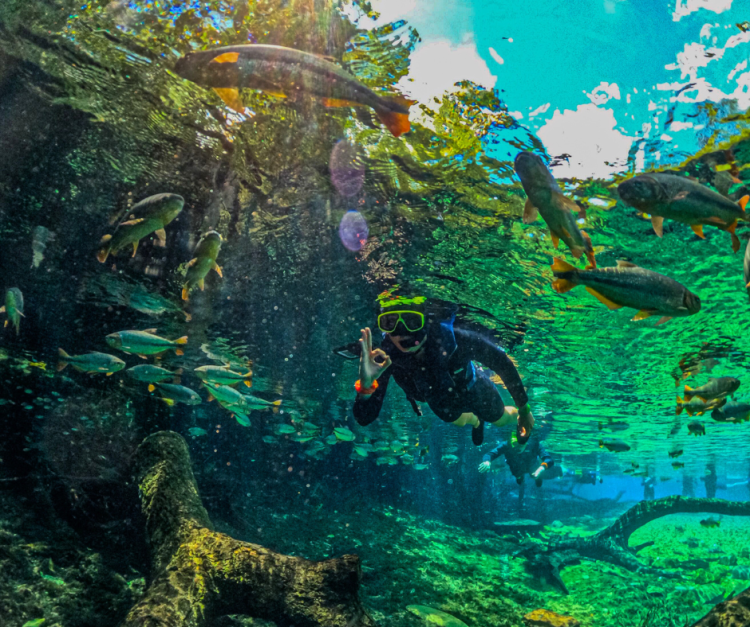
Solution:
(679, 198)
(546, 197)
(716, 388)
(696, 406)
(628, 285)
(287, 72)
(204, 261)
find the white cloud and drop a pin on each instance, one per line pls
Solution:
(604, 92)
(686, 7)
(437, 65)
(680, 126)
(589, 135)
(496, 56)
(737, 68)
(539, 110)
(516, 115)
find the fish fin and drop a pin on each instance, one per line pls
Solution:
(396, 123)
(217, 268)
(658, 223)
(179, 371)
(210, 397)
(192, 262)
(151, 387)
(202, 284)
(681, 195)
(227, 57)
(62, 363)
(679, 408)
(133, 222)
(698, 230)
(231, 98)
(276, 403)
(2, 309)
(642, 315)
(142, 356)
(603, 299)
(581, 212)
(735, 242)
(662, 320)
(168, 401)
(248, 383)
(688, 393)
(103, 252)
(338, 102)
(151, 331)
(62, 353)
(589, 248)
(555, 240)
(162, 235)
(185, 295)
(530, 212)
(181, 340)
(6, 323)
(743, 202)
(179, 351)
(622, 263)
(560, 265)
(188, 317)
(562, 285)
(703, 398)
(23, 315)
(135, 248)
(109, 374)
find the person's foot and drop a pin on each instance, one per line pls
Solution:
(477, 434)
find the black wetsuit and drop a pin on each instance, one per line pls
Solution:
(442, 375)
(522, 462)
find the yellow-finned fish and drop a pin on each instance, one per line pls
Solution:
(222, 375)
(204, 261)
(679, 198)
(710, 522)
(628, 285)
(150, 215)
(173, 393)
(13, 308)
(715, 389)
(287, 72)
(546, 197)
(696, 406)
(144, 343)
(91, 363)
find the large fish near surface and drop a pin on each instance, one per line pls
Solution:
(287, 72)
(546, 197)
(673, 197)
(91, 363)
(696, 406)
(150, 215)
(144, 343)
(13, 308)
(715, 389)
(736, 412)
(628, 285)
(204, 261)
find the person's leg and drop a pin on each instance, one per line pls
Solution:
(467, 418)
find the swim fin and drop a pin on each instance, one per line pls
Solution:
(477, 434)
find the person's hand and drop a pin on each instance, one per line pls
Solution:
(525, 421)
(538, 472)
(369, 368)
(484, 467)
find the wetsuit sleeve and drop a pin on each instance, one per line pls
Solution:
(366, 410)
(493, 357)
(545, 456)
(495, 453)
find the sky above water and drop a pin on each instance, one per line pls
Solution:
(590, 77)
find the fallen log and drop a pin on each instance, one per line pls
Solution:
(611, 544)
(198, 575)
(732, 613)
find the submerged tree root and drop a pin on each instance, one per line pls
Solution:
(611, 544)
(198, 575)
(732, 613)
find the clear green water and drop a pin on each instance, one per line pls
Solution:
(96, 120)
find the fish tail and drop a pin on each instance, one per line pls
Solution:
(589, 249)
(168, 401)
(601, 443)
(105, 250)
(185, 293)
(182, 340)
(743, 204)
(563, 284)
(397, 123)
(248, 383)
(680, 407)
(688, 393)
(276, 403)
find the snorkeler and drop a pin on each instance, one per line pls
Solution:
(530, 457)
(431, 361)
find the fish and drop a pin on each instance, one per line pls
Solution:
(614, 425)
(746, 268)
(204, 261)
(736, 412)
(628, 285)
(285, 429)
(669, 196)
(676, 453)
(716, 388)
(13, 308)
(615, 446)
(710, 522)
(144, 343)
(560, 213)
(222, 375)
(150, 215)
(230, 398)
(344, 434)
(678, 465)
(151, 374)
(40, 237)
(696, 428)
(197, 432)
(287, 72)
(692, 364)
(92, 363)
(173, 393)
(697, 406)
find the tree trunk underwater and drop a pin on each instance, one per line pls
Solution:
(611, 544)
(198, 575)
(732, 613)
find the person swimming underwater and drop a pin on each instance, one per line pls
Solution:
(432, 361)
